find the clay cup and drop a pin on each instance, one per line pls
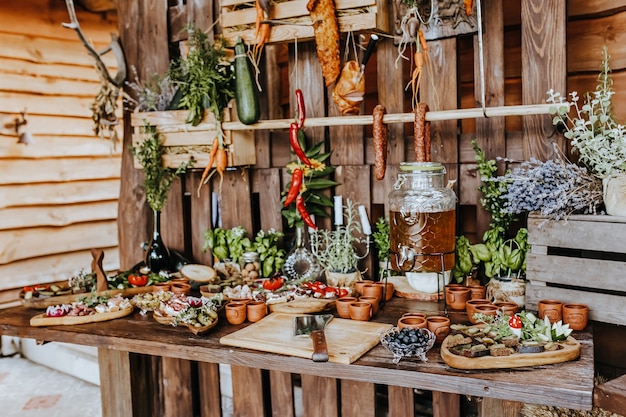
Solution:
(358, 286)
(373, 290)
(576, 315)
(235, 312)
(374, 301)
(439, 325)
(411, 323)
(360, 310)
(477, 292)
(256, 310)
(343, 306)
(487, 309)
(551, 308)
(457, 296)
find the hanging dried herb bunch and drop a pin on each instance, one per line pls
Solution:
(158, 178)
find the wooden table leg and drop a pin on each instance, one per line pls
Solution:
(319, 396)
(446, 404)
(282, 394)
(401, 401)
(247, 391)
(115, 383)
(492, 407)
(209, 389)
(358, 399)
(176, 386)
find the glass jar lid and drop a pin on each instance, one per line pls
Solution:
(436, 167)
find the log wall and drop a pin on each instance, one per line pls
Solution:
(58, 196)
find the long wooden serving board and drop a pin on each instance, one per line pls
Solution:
(41, 303)
(569, 349)
(43, 320)
(347, 340)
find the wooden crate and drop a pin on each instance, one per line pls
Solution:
(182, 140)
(580, 260)
(293, 21)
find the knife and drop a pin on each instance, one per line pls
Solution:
(313, 326)
(368, 53)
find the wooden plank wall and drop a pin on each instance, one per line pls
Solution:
(58, 196)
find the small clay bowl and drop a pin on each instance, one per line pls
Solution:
(360, 310)
(477, 291)
(414, 314)
(488, 310)
(374, 301)
(470, 305)
(507, 307)
(180, 288)
(343, 306)
(161, 286)
(358, 286)
(412, 323)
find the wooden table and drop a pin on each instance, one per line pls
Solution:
(150, 369)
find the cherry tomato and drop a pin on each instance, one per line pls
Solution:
(273, 284)
(343, 292)
(330, 291)
(137, 280)
(29, 289)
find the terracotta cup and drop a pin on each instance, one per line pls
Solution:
(439, 325)
(373, 290)
(412, 323)
(414, 314)
(470, 305)
(161, 286)
(180, 288)
(256, 310)
(576, 315)
(240, 300)
(507, 307)
(358, 286)
(343, 306)
(457, 296)
(236, 312)
(180, 279)
(374, 301)
(551, 308)
(360, 310)
(487, 309)
(387, 289)
(477, 292)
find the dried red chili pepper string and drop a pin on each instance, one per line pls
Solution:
(306, 217)
(296, 185)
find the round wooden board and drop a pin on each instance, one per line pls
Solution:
(402, 289)
(43, 320)
(570, 350)
(304, 306)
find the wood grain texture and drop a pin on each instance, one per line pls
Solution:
(358, 399)
(315, 388)
(611, 395)
(247, 391)
(210, 397)
(115, 384)
(200, 217)
(401, 401)
(281, 386)
(446, 405)
(267, 183)
(236, 209)
(491, 408)
(177, 389)
(543, 67)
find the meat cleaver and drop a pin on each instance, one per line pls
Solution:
(314, 326)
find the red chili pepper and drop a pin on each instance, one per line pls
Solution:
(301, 109)
(295, 144)
(296, 184)
(306, 217)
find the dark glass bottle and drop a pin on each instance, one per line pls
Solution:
(157, 254)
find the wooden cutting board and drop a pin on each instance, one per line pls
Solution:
(347, 340)
(43, 320)
(569, 350)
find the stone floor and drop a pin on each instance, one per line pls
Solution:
(31, 390)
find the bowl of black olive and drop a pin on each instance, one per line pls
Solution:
(408, 343)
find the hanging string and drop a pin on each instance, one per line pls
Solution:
(481, 59)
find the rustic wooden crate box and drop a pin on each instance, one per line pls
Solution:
(239, 17)
(182, 140)
(580, 260)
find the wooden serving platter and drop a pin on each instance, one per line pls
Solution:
(303, 306)
(43, 320)
(41, 303)
(569, 349)
(347, 340)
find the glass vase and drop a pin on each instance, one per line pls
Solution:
(157, 254)
(300, 263)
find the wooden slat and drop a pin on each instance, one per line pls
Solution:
(22, 217)
(611, 395)
(58, 146)
(248, 397)
(266, 182)
(236, 208)
(58, 193)
(36, 241)
(358, 399)
(316, 388)
(199, 217)
(602, 307)
(585, 39)
(61, 71)
(54, 170)
(401, 401)
(490, 407)
(543, 67)
(601, 7)
(209, 390)
(177, 389)
(47, 18)
(446, 405)
(281, 387)
(52, 268)
(115, 384)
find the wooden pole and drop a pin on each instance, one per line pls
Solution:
(475, 113)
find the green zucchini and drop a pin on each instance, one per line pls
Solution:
(246, 91)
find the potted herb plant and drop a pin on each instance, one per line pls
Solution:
(335, 250)
(381, 243)
(596, 137)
